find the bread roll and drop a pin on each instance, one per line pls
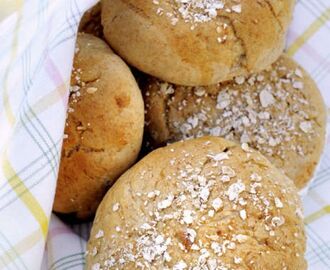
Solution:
(104, 127)
(279, 112)
(205, 203)
(197, 42)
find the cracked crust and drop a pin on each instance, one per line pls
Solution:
(117, 240)
(167, 113)
(254, 39)
(104, 128)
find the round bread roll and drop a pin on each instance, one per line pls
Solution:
(197, 42)
(280, 112)
(205, 203)
(104, 128)
(90, 22)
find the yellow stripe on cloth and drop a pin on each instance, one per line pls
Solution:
(47, 101)
(21, 247)
(317, 215)
(25, 195)
(310, 31)
(13, 53)
(52, 98)
(8, 7)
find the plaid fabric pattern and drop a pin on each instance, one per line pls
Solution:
(36, 48)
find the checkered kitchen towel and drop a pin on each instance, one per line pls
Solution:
(36, 48)
(37, 39)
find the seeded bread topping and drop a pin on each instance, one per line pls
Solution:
(278, 111)
(197, 42)
(196, 12)
(78, 89)
(201, 204)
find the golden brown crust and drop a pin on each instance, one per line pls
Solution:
(104, 127)
(199, 204)
(158, 39)
(279, 112)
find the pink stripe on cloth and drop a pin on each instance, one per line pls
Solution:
(58, 231)
(307, 48)
(56, 77)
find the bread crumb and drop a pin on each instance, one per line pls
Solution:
(96, 266)
(91, 90)
(115, 207)
(266, 98)
(242, 214)
(188, 217)
(278, 203)
(306, 126)
(181, 265)
(217, 204)
(166, 203)
(234, 190)
(99, 234)
(237, 8)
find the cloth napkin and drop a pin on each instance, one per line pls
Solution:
(36, 48)
(37, 40)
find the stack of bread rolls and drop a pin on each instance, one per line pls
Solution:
(237, 128)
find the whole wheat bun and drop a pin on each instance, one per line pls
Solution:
(104, 127)
(205, 203)
(197, 45)
(279, 112)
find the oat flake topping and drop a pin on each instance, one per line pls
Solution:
(267, 111)
(199, 217)
(195, 12)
